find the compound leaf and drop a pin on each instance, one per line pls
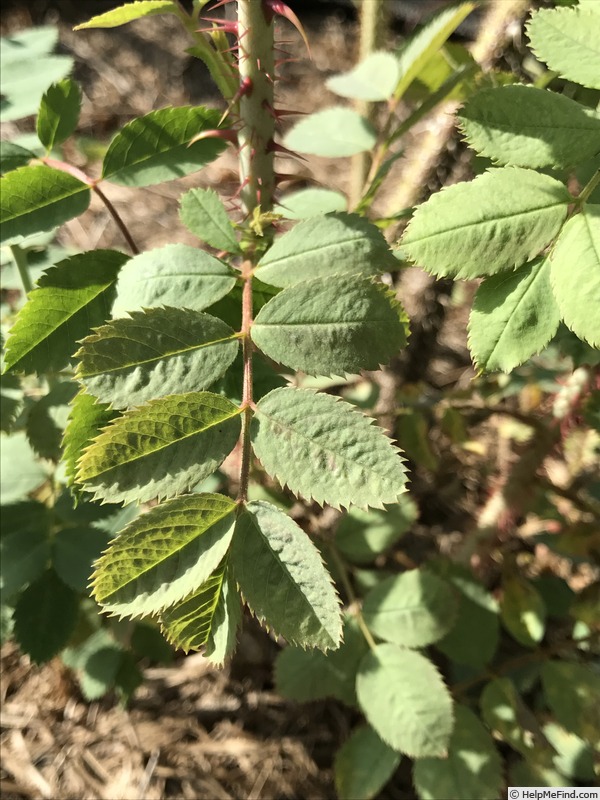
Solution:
(363, 765)
(497, 221)
(413, 609)
(59, 113)
(35, 199)
(331, 325)
(322, 448)
(207, 618)
(155, 353)
(45, 617)
(575, 274)
(163, 448)
(472, 771)
(514, 316)
(324, 246)
(155, 148)
(372, 79)
(404, 698)
(164, 555)
(129, 12)
(306, 675)
(202, 212)
(530, 127)
(69, 299)
(282, 578)
(333, 133)
(172, 276)
(568, 40)
(86, 418)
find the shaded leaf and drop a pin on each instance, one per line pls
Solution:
(472, 771)
(148, 642)
(155, 148)
(155, 353)
(571, 691)
(530, 127)
(160, 449)
(11, 400)
(24, 545)
(404, 698)
(522, 610)
(312, 202)
(362, 535)
(174, 275)
(574, 758)
(514, 316)
(282, 578)
(373, 78)
(59, 113)
(44, 617)
(575, 274)
(322, 448)
(306, 675)
(413, 609)
(164, 555)
(47, 419)
(331, 325)
(363, 765)
(333, 133)
(129, 12)
(494, 222)
(568, 40)
(335, 244)
(203, 213)
(12, 156)
(69, 299)
(21, 471)
(34, 199)
(74, 551)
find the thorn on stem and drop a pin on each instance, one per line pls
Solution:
(272, 7)
(227, 134)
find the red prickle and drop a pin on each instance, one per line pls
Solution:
(272, 7)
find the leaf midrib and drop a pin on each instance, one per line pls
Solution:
(49, 202)
(163, 356)
(319, 248)
(149, 453)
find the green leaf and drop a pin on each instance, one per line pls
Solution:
(160, 449)
(156, 147)
(426, 43)
(99, 673)
(12, 156)
(45, 616)
(306, 203)
(24, 545)
(148, 642)
(69, 299)
(59, 113)
(404, 698)
(527, 773)
(164, 555)
(129, 12)
(21, 471)
(509, 719)
(413, 609)
(307, 675)
(530, 127)
(474, 637)
(28, 44)
(333, 133)
(514, 316)
(374, 78)
(363, 535)
(74, 550)
(38, 198)
(331, 325)
(571, 691)
(86, 418)
(574, 758)
(282, 578)
(494, 222)
(174, 275)
(522, 611)
(11, 401)
(363, 765)
(204, 215)
(575, 274)
(472, 771)
(568, 40)
(322, 448)
(155, 353)
(47, 419)
(208, 618)
(336, 244)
